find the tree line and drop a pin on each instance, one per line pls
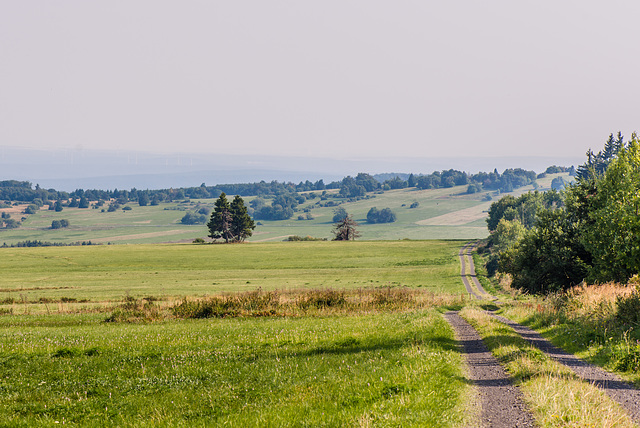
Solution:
(589, 231)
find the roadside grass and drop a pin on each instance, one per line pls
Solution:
(390, 369)
(585, 322)
(98, 274)
(556, 396)
(481, 274)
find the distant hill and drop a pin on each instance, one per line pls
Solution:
(73, 169)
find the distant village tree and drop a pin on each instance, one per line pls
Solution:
(345, 229)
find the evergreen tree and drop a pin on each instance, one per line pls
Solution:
(84, 202)
(241, 223)
(221, 220)
(143, 199)
(411, 182)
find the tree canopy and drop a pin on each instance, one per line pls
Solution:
(230, 221)
(590, 231)
(346, 229)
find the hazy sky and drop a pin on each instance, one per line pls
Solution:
(324, 78)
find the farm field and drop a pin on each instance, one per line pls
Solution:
(109, 273)
(61, 363)
(441, 214)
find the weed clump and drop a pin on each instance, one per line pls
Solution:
(135, 310)
(322, 299)
(255, 303)
(306, 302)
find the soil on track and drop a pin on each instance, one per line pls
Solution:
(501, 403)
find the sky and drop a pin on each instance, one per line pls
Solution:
(339, 79)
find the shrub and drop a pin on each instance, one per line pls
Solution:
(305, 238)
(384, 215)
(628, 308)
(31, 209)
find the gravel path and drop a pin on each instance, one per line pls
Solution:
(463, 272)
(472, 271)
(616, 388)
(480, 360)
(500, 401)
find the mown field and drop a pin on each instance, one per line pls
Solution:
(441, 214)
(60, 362)
(109, 273)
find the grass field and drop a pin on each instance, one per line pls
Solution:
(441, 214)
(61, 363)
(383, 370)
(107, 273)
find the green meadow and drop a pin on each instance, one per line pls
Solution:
(62, 363)
(448, 213)
(389, 369)
(111, 272)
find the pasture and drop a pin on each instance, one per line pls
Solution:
(441, 214)
(110, 272)
(61, 363)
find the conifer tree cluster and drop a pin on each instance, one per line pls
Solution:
(230, 221)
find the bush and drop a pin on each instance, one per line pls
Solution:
(192, 218)
(305, 238)
(31, 209)
(385, 215)
(628, 308)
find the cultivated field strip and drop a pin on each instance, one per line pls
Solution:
(620, 391)
(500, 401)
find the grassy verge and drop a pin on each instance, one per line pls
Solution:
(392, 369)
(553, 393)
(481, 274)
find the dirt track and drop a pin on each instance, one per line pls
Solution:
(620, 391)
(501, 403)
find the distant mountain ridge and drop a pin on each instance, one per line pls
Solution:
(71, 169)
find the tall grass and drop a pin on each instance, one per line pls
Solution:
(260, 303)
(598, 322)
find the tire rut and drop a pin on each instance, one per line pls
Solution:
(616, 388)
(501, 403)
